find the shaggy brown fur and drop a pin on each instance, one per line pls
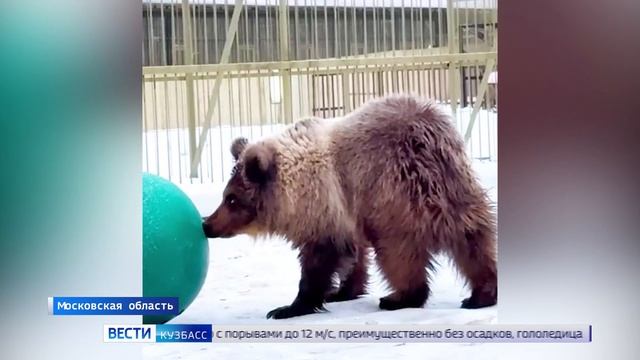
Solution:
(392, 176)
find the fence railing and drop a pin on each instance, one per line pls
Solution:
(195, 105)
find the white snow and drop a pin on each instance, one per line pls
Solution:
(246, 279)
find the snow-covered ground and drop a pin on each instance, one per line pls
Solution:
(246, 279)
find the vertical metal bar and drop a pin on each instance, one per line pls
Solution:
(271, 116)
(375, 27)
(393, 29)
(441, 95)
(316, 53)
(151, 52)
(475, 24)
(231, 111)
(197, 26)
(326, 31)
(173, 34)
(188, 60)
(336, 17)
(180, 126)
(413, 36)
(312, 82)
(263, 114)
(332, 96)
(384, 28)
(323, 93)
(238, 106)
(366, 51)
(365, 84)
(284, 56)
(154, 115)
(471, 88)
(404, 29)
(364, 27)
(215, 31)
(427, 75)
(206, 32)
(256, 32)
(249, 102)
(355, 42)
(269, 54)
(402, 23)
(164, 35)
(275, 26)
(226, 25)
(245, 101)
(327, 94)
(431, 27)
(413, 81)
(417, 81)
(387, 80)
(210, 133)
(345, 91)
(440, 29)
(194, 32)
(177, 103)
(300, 94)
(246, 35)
(220, 129)
(354, 88)
(459, 45)
(346, 21)
(421, 22)
(296, 25)
(438, 84)
(451, 39)
(432, 84)
(166, 121)
(363, 88)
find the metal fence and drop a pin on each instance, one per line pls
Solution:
(216, 69)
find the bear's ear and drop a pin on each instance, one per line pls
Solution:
(259, 164)
(238, 146)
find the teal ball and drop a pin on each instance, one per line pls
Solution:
(175, 250)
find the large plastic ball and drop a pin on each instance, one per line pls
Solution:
(175, 250)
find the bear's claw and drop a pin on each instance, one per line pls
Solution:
(289, 311)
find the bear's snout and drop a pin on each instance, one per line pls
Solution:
(208, 230)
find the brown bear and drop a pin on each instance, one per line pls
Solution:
(393, 176)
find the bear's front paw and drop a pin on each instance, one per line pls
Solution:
(288, 311)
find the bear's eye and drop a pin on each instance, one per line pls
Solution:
(231, 200)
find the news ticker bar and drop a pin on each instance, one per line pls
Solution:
(347, 333)
(113, 305)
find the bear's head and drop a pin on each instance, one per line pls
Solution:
(243, 199)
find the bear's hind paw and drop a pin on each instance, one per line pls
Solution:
(341, 296)
(477, 301)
